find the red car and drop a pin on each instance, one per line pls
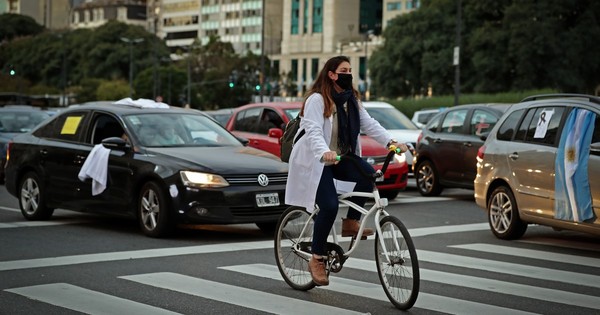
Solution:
(262, 125)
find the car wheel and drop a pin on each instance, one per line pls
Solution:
(389, 194)
(267, 227)
(427, 179)
(503, 215)
(32, 198)
(153, 211)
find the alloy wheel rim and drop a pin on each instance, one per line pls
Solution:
(30, 195)
(500, 212)
(150, 209)
(425, 178)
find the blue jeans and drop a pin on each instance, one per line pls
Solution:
(327, 198)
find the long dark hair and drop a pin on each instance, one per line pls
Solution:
(324, 85)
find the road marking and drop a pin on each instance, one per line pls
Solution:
(85, 301)
(535, 254)
(266, 302)
(510, 268)
(375, 292)
(492, 285)
(40, 223)
(9, 209)
(188, 250)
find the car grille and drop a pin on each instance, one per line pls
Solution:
(252, 180)
(388, 181)
(253, 212)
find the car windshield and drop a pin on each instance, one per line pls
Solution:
(391, 118)
(178, 130)
(20, 121)
(292, 113)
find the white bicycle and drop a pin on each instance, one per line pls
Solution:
(395, 253)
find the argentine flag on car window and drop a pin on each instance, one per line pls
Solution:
(572, 187)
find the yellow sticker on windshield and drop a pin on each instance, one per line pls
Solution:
(70, 126)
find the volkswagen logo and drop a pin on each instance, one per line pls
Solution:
(263, 180)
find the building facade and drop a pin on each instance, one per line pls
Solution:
(93, 13)
(53, 14)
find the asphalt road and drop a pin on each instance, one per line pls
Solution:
(81, 263)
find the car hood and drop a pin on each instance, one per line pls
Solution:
(222, 160)
(405, 135)
(6, 136)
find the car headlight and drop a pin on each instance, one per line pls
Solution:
(202, 180)
(400, 158)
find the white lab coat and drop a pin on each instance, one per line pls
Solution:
(305, 168)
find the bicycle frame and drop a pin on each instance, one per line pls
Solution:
(377, 209)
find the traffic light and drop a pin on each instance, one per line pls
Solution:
(231, 81)
(12, 72)
(257, 87)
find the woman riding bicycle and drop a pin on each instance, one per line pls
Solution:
(332, 117)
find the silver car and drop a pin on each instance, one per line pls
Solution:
(541, 165)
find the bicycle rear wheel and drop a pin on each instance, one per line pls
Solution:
(293, 265)
(399, 275)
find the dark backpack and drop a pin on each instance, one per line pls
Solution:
(288, 140)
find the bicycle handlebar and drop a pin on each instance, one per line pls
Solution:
(379, 173)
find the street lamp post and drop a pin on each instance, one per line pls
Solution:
(131, 42)
(367, 38)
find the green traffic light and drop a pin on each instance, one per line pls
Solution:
(231, 84)
(257, 87)
(12, 72)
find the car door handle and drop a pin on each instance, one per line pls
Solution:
(437, 140)
(467, 144)
(43, 152)
(513, 156)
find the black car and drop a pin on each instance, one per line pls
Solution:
(14, 120)
(165, 166)
(447, 147)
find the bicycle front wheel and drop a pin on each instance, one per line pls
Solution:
(292, 247)
(397, 263)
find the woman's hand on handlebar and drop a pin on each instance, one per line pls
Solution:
(398, 145)
(330, 156)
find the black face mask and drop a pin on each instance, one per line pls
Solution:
(344, 81)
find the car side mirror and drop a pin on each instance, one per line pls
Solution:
(116, 143)
(275, 133)
(484, 136)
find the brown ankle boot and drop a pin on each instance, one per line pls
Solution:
(316, 267)
(350, 228)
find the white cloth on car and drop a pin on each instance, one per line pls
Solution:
(96, 168)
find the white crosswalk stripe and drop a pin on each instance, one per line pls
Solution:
(374, 291)
(235, 295)
(85, 301)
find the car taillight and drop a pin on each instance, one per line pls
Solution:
(481, 152)
(419, 137)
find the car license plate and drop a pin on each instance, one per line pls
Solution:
(267, 200)
(379, 179)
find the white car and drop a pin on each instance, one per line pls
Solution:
(421, 117)
(400, 126)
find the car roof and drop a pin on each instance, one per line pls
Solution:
(380, 104)
(282, 105)
(127, 109)
(502, 107)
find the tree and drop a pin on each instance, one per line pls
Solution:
(17, 25)
(506, 45)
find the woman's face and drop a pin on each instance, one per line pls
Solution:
(344, 67)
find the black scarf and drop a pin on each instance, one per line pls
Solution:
(348, 123)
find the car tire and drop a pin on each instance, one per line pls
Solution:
(32, 198)
(153, 211)
(503, 215)
(389, 194)
(427, 179)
